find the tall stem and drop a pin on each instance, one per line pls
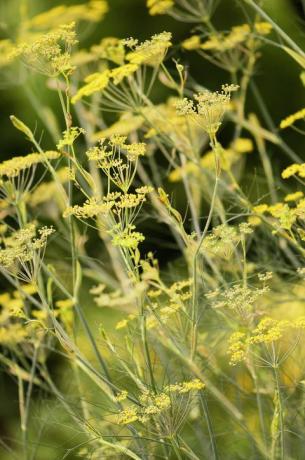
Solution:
(197, 252)
(280, 410)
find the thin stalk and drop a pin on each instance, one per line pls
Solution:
(260, 409)
(22, 417)
(176, 449)
(209, 426)
(189, 195)
(197, 252)
(280, 409)
(278, 29)
(146, 351)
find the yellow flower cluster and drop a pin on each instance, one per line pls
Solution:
(155, 404)
(121, 396)
(173, 300)
(239, 298)
(192, 43)
(92, 11)
(119, 73)
(151, 52)
(69, 137)
(159, 6)
(285, 215)
(118, 160)
(50, 54)
(97, 82)
(126, 238)
(268, 331)
(294, 170)
(265, 276)
(289, 121)
(12, 303)
(237, 348)
(94, 83)
(21, 251)
(11, 168)
(222, 241)
(116, 203)
(91, 208)
(12, 334)
(209, 108)
(236, 36)
(296, 196)
(13, 330)
(124, 322)
(7, 52)
(185, 387)
(180, 290)
(162, 315)
(221, 42)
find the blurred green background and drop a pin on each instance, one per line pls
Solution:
(277, 76)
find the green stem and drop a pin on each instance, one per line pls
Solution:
(277, 28)
(197, 252)
(280, 409)
(209, 426)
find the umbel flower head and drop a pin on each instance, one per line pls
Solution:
(209, 108)
(118, 160)
(22, 252)
(151, 52)
(268, 331)
(13, 167)
(130, 55)
(155, 404)
(17, 174)
(159, 6)
(91, 11)
(192, 11)
(50, 54)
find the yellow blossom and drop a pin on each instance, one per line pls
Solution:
(192, 43)
(121, 396)
(65, 303)
(127, 416)
(263, 28)
(294, 196)
(12, 334)
(300, 115)
(12, 167)
(159, 6)
(260, 209)
(209, 109)
(151, 52)
(237, 347)
(92, 11)
(94, 83)
(119, 73)
(50, 54)
(294, 169)
(186, 387)
(91, 208)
